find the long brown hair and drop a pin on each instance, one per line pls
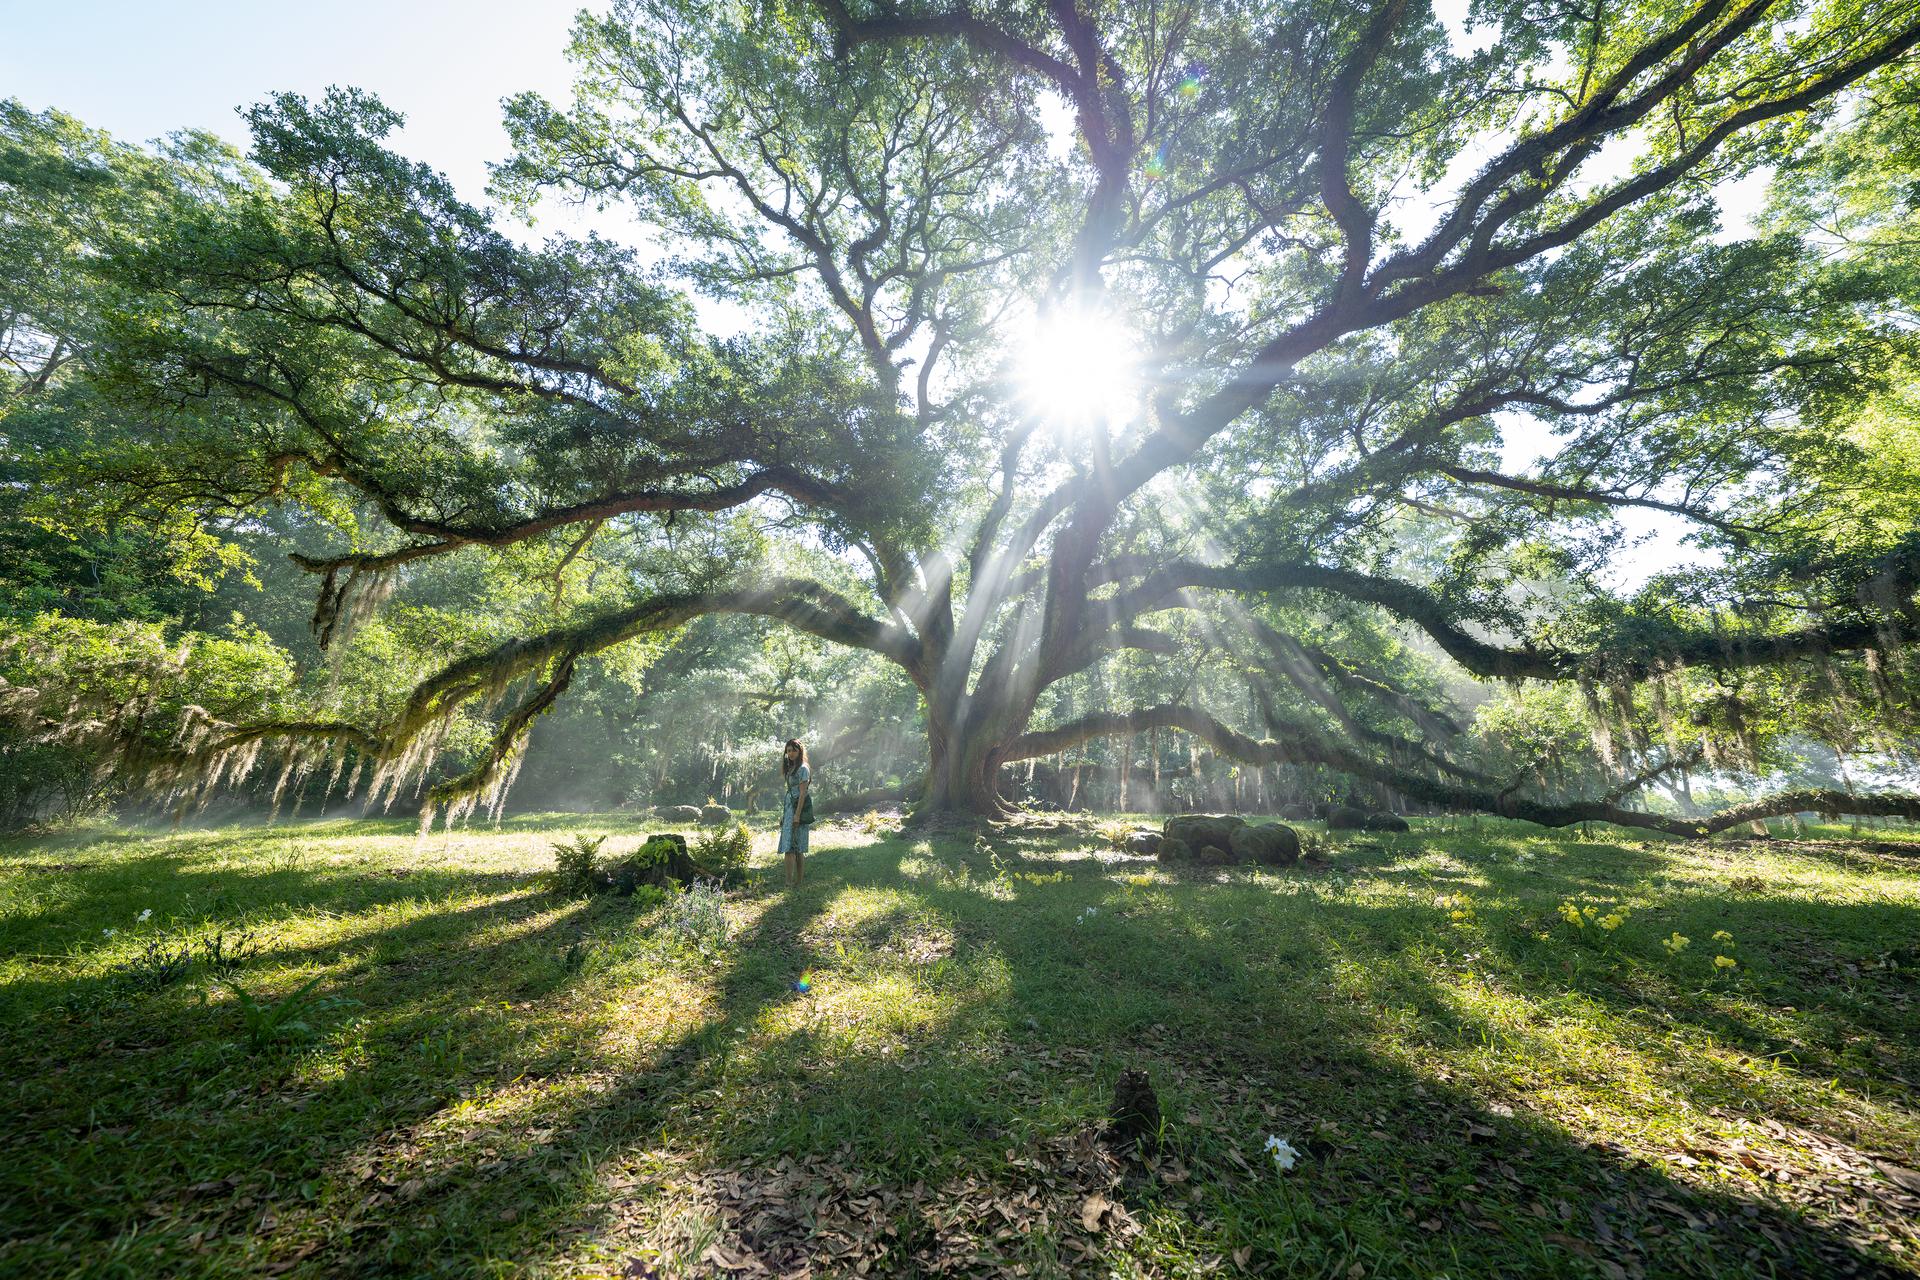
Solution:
(787, 769)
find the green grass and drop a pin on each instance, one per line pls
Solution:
(503, 1082)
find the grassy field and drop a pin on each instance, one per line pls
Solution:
(488, 1079)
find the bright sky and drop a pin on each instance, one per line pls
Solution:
(143, 69)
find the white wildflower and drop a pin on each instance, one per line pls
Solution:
(1284, 1153)
(108, 933)
(146, 915)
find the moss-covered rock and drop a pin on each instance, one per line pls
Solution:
(1175, 851)
(1270, 845)
(1200, 829)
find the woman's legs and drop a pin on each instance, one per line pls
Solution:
(795, 844)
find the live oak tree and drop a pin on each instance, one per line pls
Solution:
(1325, 258)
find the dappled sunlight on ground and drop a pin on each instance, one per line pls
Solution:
(521, 1083)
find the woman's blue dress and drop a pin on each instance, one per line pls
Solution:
(793, 836)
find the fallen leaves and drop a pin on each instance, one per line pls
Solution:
(825, 1216)
(1899, 1175)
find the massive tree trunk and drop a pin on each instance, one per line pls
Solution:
(962, 777)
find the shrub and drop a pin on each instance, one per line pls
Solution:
(48, 784)
(87, 697)
(660, 863)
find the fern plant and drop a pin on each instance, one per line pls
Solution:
(722, 854)
(576, 871)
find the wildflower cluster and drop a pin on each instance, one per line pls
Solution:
(699, 919)
(1607, 920)
(165, 958)
(1459, 908)
(1086, 915)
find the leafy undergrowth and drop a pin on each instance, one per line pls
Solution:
(904, 1067)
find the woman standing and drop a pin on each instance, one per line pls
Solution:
(796, 814)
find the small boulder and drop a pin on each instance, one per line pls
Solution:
(677, 813)
(1175, 851)
(1271, 845)
(1345, 817)
(1387, 822)
(1213, 855)
(715, 815)
(1143, 843)
(1199, 829)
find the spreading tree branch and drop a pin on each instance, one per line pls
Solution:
(1306, 750)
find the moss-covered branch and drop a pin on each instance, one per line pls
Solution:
(1862, 626)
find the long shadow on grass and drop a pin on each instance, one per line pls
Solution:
(1789, 948)
(1256, 1012)
(189, 901)
(1811, 992)
(1230, 996)
(626, 1102)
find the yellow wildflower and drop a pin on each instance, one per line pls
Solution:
(1724, 962)
(1722, 937)
(1676, 943)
